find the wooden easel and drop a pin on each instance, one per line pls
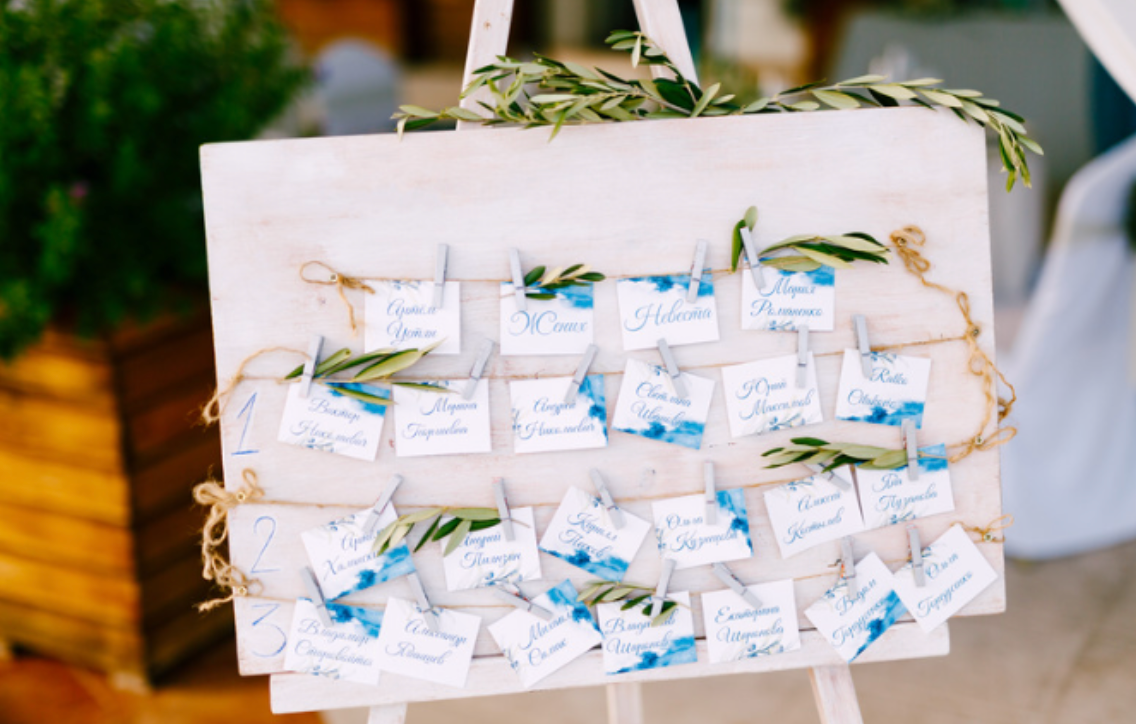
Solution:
(660, 19)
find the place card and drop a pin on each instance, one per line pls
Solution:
(347, 650)
(632, 643)
(735, 630)
(582, 534)
(896, 391)
(648, 405)
(564, 324)
(888, 497)
(850, 625)
(429, 422)
(808, 512)
(763, 396)
(332, 420)
(790, 299)
(543, 422)
(954, 571)
(402, 315)
(408, 646)
(343, 555)
(485, 558)
(654, 308)
(682, 533)
(536, 648)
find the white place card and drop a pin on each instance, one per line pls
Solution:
(562, 325)
(896, 391)
(401, 315)
(543, 422)
(808, 512)
(631, 643)
(851, 625)
(790, 300)
(888, 497)
(343, 555)
(582, 534)
(485, 558)
(654, 308)
(536, 648)
(763, 396)
(682, 533)
(347, 650)
(331, 420)
(407, 645)
(441, 423)
(735, 630)
(650, 407)
(954, 573)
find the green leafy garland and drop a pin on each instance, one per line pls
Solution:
(813, 251)
(539, 282)
(462, 522)
(380, 365)
(631, 594)
(571, 93)
(833, 455)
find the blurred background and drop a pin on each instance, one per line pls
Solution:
(106, 348)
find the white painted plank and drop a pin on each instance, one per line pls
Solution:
(835, 695)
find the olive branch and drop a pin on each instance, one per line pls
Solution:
(571, 93)
(377, 366)
(540, 282)
(631, 594)
(462, 522)
(832, 455)
(812, 251)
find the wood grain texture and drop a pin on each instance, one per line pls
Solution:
(835, 695)
(625, 703)
(488, 38)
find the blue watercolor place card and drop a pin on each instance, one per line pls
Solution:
(543, 422)
(653, 308)
(441, 423)
(401, 315)
(563, 325)
(582, 534)
(736, 631)
(763, 396)
(808, 512)
(896, 391)
(347, 650)
(407, 645)
(850, 625)
(485, 558)
(334, 422)
(790, 299)
(682, 533)
(343, 555)
(649, 406)
(888, 497)
(954, 573)
(631, 643)
(536, 648)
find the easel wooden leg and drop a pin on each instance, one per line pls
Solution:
(625, 703)
(835, 695)
(392, 714)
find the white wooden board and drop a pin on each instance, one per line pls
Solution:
(627, 199)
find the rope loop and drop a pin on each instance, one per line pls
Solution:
(214, 566)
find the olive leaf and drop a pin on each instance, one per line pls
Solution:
(377, 366)
(831, 455)
(632, 595)
(462, 521)
(810, 252)
(541, 282)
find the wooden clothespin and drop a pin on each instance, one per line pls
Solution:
(860, 322)
(520, 601)
(613, 512)
(802, 355)
(581, 374)
(503, 508)
(726, 576)
(696, 272)
(661, 589)
(316, 595)
(751, 258)
(478, 369)
(710, 515)
(911, 442)
(830, 476)
(314, 348)
(672, 368)
(440, 275)
(371, 525)
(518, 278)
(916, 556)
(848, 568)
(429, 613)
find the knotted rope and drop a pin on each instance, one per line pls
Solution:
(214, 566)
(211, 411)
(340, 281)
(986, 535)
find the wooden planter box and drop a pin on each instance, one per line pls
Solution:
(99, 451)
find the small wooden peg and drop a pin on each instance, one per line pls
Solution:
(440, 275)
(429, 613)
(581, 374)
(911, 442)
(316, 595)
(696, 272)
(829, 475)
(613, 511)
(865, 345)
(314, 348)
(752, 259)
(672, 368)
(848, 566)
(478, 369)
(916, 556)
(710, 516)
(661, 589)
(371, 525)
(726, 576)
(503, 508)
(802, 355)
(519, 600)
(518, 278)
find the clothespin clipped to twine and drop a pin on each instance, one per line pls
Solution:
(829, 475)
(503, 509)
(440, 263)
(661, 589)
(848, 568)
(916, 556)
(478, 370)
(696, 273)
(726, 576)
(710, 514)
(315, 593)
(214, 566)
(314, 348)
(519, 600)
(430, 614)
(211, 411)
(518, 279)
(581, 374)
(860, 323)
(672, 368)
(802, 355)
(371, 524)
(341, 282)
(752, 258)
(911, 443)
(613, 512)
(986, 534)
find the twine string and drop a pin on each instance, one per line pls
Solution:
(341, 282)
(214, 566)
(986, 534)
(212, 410)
